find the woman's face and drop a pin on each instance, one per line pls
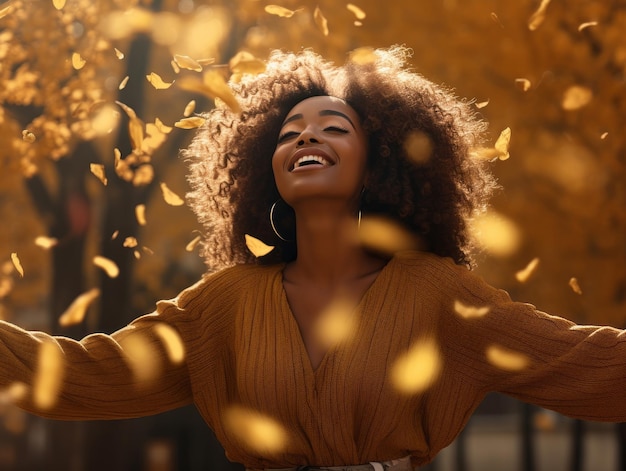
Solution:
(321, 152)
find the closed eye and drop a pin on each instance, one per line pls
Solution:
(286, 136)
(336, 129)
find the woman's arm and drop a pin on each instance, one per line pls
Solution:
(139, 370)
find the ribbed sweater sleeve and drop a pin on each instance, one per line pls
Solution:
(518, 350)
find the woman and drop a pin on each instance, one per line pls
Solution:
(317, 152)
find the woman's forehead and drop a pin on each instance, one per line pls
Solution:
(325, 102)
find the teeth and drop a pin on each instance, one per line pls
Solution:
(311, 158)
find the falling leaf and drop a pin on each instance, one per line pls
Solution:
(470, 312)
(279, 11)
(58, 4)
(115, 234)
(170, 197)
(358, 13)
(16, 391)
(419, 147)
(523, 275)
(144, 174)
(109, 266)
(604, 135)
(135, 126)
(245, 63)
(75, 313)
(186, 62)
(123, 83)
(523, 84)
(105, 119)
(4, 11)
(175, 66)
(336, 324)
(98, 171)
(213, 86)
(162, 127)
(538, 16)
(46, 242)
(190, 123)
(586, 25)
(48, 377)
(119, 54)
(28, 136)
(320, 21)
(77, 61)
(157, 82)
(174, 345)
(496, 234)
(573, 283)
(416, 370)
(130, 242)
(17, 264)
(147, 250)
(192, 244)
(137, 254)
(140, 214)
(386, 236)
(256, 431)
(189, 109)
(141, 356)
(506, 359)
(481, 104)
(576, 97)
(496, 19)
(257, 247)
(502, 144)
(363, 56)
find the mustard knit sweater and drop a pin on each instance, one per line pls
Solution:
(244, 352)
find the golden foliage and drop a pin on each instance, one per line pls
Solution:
(257, 247)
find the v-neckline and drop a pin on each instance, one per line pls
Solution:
(294, 328)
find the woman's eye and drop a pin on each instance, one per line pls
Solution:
(336, 129)
(286, 136)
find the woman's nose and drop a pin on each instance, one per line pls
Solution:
(308, 136)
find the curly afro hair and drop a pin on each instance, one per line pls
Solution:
(433, 196)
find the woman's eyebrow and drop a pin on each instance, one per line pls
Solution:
(298, 116)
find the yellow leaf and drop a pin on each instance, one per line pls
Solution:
(506, 359)
(358, 13)
(130, 242)
(28, 136)
(336, 323)
(481, 104)
(123, 83)
(170, 197)
(470, 312)
(576, 97)
(98, 171)
(189, 109)
(245, 63)
(17, 264)
(48, 377)
(4, 11)
(523, 275)
(140, 214)
(363, 56)
(141, 356)
(46, 242)
(75, 313)
(604, 135)
(119, 54)
(279, 11)
(175, 66)
(586, 25)
(320, 21)
(105, 119)
(538, 16)
(573, 283)
(143, 175)
(58, 4)
(496, 234)
(190, 123)
(386, 236)
(213, 86)
(186, 62)
(255, 430)
(77, 61)
(162, 127)
(192, 244)
(157, 82)
(523, 84)
(502, 144)
(174, 345)
(257, 247)
(135, 126)
(109, 266)
(417, 369)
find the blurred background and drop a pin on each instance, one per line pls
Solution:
(98, 96)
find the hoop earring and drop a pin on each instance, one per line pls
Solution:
(272, 222)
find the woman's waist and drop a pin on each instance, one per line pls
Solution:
(401, 464)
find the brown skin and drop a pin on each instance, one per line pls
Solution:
(326, 198)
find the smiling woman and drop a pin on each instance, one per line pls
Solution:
(327, 352)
